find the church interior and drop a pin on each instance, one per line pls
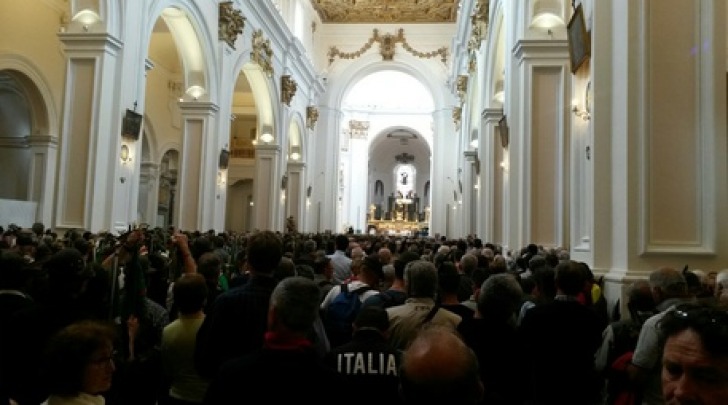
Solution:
(597, 126)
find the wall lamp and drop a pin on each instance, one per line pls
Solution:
(195, 92)
(266, 135)
(87, 18)
(583, 114)
(125, 158)
(295, 152)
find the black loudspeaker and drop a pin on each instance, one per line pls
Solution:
(132, 125)
(224, 159)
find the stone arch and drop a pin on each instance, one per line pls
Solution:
(295, 142)
(169, 171)
(349, 76)
(35, 89)
(494, 84)
(179, 40)
(263, 95)
(385, 170)
(295, 175)
(364, 66)
(32, 144)
(188, 27)
(262, 87)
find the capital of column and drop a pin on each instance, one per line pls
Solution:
(90, 42)
(267, 149)
(13, 142)
(198, 108)
(296, 166)
(541, 49)
(41, 140)
(492, 114)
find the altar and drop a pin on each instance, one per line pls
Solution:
(398, 222)
(395, 227)
(402, 212)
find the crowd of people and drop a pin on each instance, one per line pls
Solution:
(163, 316)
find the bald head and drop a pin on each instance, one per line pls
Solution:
(439, 366)
(666, 283)
(357, 253)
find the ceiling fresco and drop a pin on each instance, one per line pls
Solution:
(386, 11)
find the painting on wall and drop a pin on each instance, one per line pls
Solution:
(579, 39)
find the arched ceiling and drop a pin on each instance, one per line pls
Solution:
(394, 141)
(387, 11)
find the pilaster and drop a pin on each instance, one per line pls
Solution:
(90, 135)
(148, 193)
(198, 177)
(443, 161)
(267, 188)
(539, 147)
(42, 174)
(492, 174)
(296, 193)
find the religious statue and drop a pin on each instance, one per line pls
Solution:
(404, 179)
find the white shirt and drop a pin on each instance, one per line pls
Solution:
(353, 286)
(80, 399)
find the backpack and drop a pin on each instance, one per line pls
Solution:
(341, 312)
(620, 389)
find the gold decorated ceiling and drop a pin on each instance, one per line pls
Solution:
(387, 11)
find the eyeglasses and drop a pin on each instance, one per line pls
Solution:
(710, 322)
(702, 314)
(102, 361)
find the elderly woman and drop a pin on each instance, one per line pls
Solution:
(79, 364)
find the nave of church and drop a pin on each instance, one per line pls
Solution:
(598, 126)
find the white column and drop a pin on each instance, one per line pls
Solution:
(471, 192)
(90, 137)
(443, 163)
(324, 170)
(296, 193)
(539, 146)
(42, 175)
(148, 193)
(490, 176)
(266, 188)
(358, 187)
(659, 150)
(197, 181)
